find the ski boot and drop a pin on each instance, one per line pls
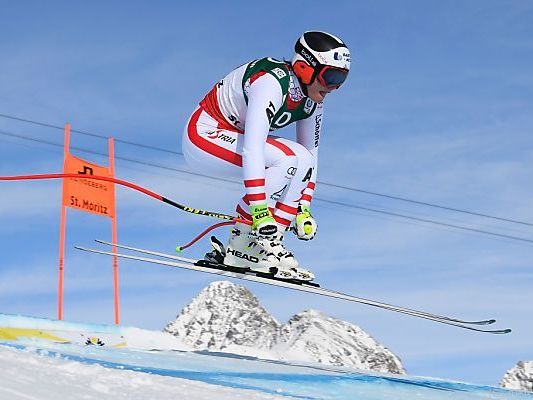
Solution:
(273, 244)
(242, 251)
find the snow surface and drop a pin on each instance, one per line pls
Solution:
(55, 371)
(32, 376)
(46, 370)
(520, 377)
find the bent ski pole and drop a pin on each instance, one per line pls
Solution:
(129, 185)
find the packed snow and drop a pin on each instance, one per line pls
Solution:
(32, 376)
(36, 367)
(48, 371)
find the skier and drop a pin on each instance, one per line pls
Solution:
(228, 134)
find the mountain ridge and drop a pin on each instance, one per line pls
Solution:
(228, 317)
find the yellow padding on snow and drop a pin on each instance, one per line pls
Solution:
(17, 333)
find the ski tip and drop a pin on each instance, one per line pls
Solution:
(500, 331)
(484, 322)
(178, 249)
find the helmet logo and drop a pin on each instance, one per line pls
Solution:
(309, 57)
(339, 57)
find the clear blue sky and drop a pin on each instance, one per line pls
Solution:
(437, 108)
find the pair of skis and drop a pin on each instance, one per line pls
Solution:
(310, 287)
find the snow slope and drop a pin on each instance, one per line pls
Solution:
(37, 367)
(48, 370)
(28, 375)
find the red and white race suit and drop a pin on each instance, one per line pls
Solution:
(228, 135)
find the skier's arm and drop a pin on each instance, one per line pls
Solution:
(308, 135)
(265, 97)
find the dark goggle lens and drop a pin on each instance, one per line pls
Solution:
(334, 76)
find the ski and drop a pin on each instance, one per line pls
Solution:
(217, 269)
(145, 251)
(203, 263)
(188, 260)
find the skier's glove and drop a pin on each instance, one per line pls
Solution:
(262, 220)
(305, 225)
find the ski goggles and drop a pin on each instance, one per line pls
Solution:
(332, 76)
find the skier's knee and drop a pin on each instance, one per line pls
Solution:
(291, 165)
(306, 160)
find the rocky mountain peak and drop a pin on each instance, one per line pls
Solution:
(224, 314)
(227, 315)
(335, 342)
(520, 377)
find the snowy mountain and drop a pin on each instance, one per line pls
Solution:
(334, 342)
(520, 377)
(226, 316)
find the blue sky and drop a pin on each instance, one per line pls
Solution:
(437, 108)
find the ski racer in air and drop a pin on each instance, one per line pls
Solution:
(229, 134)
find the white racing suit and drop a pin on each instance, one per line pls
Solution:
(228, 135)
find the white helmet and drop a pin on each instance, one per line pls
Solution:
(322, 56)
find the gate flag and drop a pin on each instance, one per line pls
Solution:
(92, 196)
(97, 197)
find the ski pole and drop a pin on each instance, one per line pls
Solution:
(202, 234)
(130, 185)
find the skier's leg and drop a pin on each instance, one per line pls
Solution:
(209, 149)
(215, 151)
(281, 164)
(286, 205)
(289, 170)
